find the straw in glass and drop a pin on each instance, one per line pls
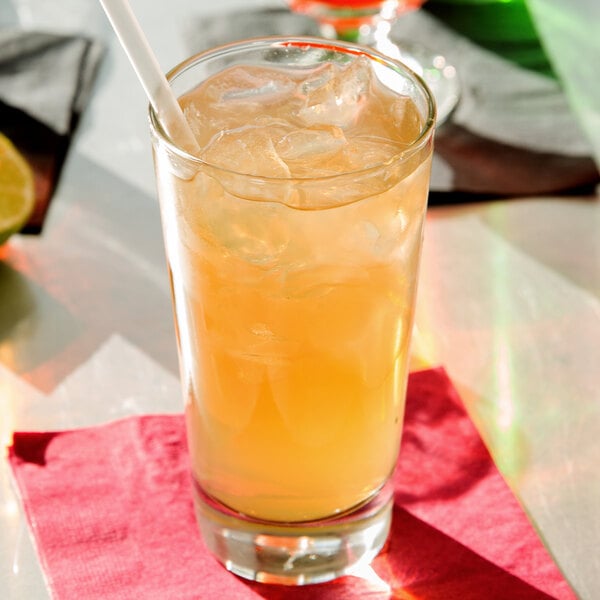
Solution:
(148, 70)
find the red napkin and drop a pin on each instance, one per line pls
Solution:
(111, 511)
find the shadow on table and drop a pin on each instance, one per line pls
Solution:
(34, 326)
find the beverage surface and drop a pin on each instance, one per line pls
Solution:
(294, 325)
(309, 122)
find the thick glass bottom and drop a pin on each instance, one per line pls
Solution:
(295, 553)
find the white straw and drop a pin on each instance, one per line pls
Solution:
(148, 70)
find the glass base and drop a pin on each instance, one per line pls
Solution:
(294, 553)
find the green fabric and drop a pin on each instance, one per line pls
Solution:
(504, 27)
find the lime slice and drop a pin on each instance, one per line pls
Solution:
(17, 192)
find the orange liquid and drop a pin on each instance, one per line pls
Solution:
(293, 326)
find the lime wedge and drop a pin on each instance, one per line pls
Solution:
(17, 191)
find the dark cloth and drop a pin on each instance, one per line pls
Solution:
(45, 82)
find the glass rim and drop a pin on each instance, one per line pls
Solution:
(290, 42)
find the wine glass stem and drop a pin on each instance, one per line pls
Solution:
(367, 34)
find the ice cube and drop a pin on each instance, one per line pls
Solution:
(335, 94)
(312, 142)
(250, 84)
(197, 119)
(362, 152)
(302, 282)
(248, 149)
(309, 151)
(407, 121)
(236, 97)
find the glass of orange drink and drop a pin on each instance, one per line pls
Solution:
(293, 240)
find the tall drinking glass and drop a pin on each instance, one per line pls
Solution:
(293, 244)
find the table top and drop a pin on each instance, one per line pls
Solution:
(509, 304)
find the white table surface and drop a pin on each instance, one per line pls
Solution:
(509, 304)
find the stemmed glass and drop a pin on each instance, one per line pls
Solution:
(369, 22)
